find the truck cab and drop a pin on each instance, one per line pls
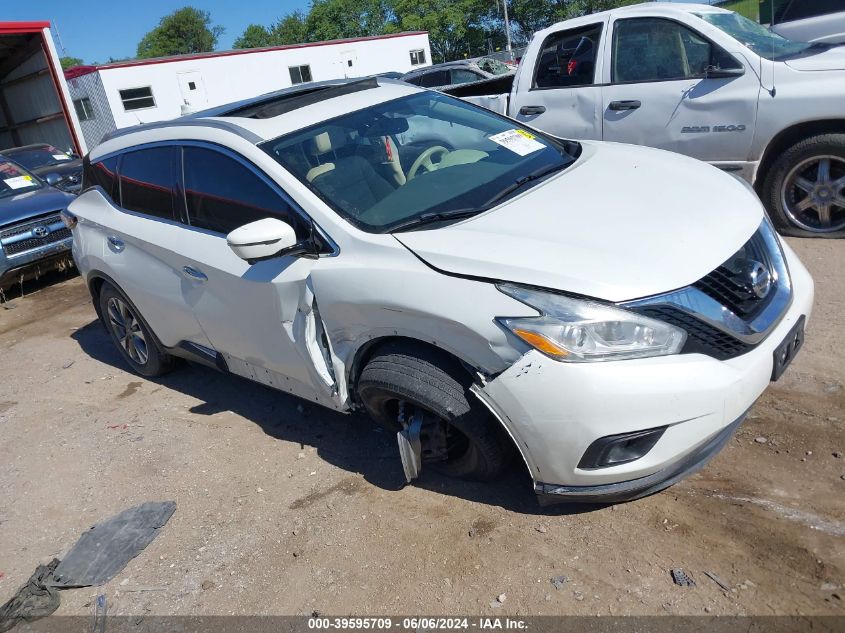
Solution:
(700, 81)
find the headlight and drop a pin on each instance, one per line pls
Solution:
(578, 331)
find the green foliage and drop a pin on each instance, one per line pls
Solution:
(187, 30)
(70, 62)
(456, 28)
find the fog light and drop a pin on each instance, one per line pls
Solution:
(613, 450)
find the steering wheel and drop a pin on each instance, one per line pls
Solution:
(424, 160)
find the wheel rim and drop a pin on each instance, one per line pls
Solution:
(127, 329)
(813, 194)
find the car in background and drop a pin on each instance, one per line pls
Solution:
(58, 168)
(458, 72)
(33, 239)
(813, 21)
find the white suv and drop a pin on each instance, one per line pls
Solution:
(482, 289)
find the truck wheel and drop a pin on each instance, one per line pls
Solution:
(402, 378)
(131, 334)
(805, 188)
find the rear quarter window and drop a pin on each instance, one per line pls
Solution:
(101, 174)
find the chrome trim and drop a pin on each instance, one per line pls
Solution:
(694, 302)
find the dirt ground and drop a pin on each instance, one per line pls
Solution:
(288, 509)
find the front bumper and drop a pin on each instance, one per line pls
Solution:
(555, 410)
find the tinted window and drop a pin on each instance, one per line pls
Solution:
(652, 49)
(222, 194)
(433, 79)
(568, 58)
(102, 174)
(802, 9)
(147, 181)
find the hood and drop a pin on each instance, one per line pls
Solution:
(30, 204)
(830, 59)
(623, 222)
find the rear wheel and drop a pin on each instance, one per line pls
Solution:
(131, 335)
(805, 188)
(459, 437)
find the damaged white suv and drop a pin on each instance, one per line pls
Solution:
(482, 289)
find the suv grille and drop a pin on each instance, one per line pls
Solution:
(27, 234)
(732, 309)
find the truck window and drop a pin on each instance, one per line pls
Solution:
(568, 58)
(654, 49)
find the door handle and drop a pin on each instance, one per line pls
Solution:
(529, 110)
(116, 242)
(193, 273)
(618, 106)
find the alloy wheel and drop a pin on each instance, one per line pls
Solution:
(813, 194)
(127, 329)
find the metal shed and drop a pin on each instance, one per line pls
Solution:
(35, 106)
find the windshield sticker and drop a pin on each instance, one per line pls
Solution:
(518, 141)
(61, 157)
(19, 182)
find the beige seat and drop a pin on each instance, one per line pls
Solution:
(350, 180)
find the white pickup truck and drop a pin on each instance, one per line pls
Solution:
(699, 80)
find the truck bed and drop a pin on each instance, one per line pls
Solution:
(491, 93)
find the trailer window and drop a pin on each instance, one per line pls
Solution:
(84, 110)
(300, 74)
(137, 98)
(417, 57)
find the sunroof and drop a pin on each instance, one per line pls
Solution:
(283, 103)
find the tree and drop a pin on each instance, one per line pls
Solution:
(70, 62)
(187, 30)
(337, 19)
(254, 36)
(450, 23)
(291, 29)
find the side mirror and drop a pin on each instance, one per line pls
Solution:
(714, 72)
(53, 179)
(263, 239)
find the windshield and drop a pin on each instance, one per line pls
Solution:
(493, 66)
(415, 156)
(40, 157)
(14, 179)
(755, 36)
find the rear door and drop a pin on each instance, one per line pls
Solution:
(659, 94)
(143, 242)
(562, 95)
(263, 317)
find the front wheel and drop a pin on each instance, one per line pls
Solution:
(805, 188)
(131, 335)
(459, 437)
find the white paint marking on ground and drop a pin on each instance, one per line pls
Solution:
(834, 528)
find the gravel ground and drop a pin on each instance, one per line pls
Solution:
(287, 509)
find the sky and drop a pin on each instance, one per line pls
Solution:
(95, 30)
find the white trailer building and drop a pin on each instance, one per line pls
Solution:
(122, 94)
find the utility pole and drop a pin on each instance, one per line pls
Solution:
(507, 24)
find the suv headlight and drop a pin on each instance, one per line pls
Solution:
(579, 331)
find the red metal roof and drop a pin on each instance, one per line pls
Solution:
(10, 28)
(78, 71)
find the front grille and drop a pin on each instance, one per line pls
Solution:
(702, 338)
(723, 286)
(31, 242)
(36, 242)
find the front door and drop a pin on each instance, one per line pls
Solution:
(262, 318)
(659, 92)
(563, 96)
